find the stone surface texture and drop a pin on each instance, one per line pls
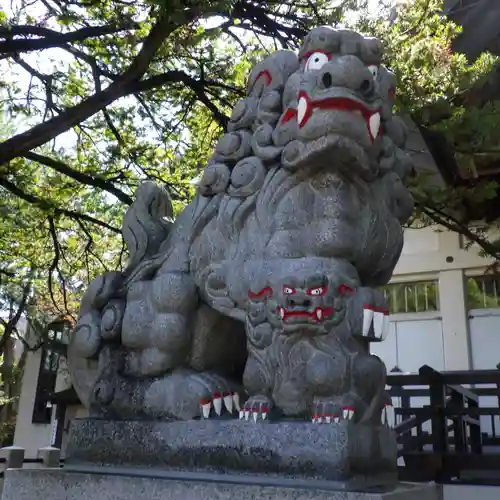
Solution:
(266, 284)
(60, 485)
(355, 454)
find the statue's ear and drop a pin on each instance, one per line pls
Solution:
(215, 292)
(272, 73)
(259, 295)
(345, 289)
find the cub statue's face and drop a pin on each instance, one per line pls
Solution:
(310, 304)
(305, 298)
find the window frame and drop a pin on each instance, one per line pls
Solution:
(391, 290)
(487, 301)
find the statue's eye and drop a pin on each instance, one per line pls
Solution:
(320, 290)
(374, 71)
(316, 61)
(287, 290)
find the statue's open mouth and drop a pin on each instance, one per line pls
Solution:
(317, 315)
(306, 108)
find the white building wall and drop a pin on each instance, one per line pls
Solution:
(431, 254)
(30, 436)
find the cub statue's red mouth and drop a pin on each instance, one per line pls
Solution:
(318, 314)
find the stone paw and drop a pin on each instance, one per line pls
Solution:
(186, 394)
(220, 405)
(256, 408)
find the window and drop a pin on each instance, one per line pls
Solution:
(49, 364)
(414, 297)
(483, 292)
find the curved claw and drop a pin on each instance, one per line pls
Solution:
(389, 416)
(220, 404)
(329, 412)
(257, 408)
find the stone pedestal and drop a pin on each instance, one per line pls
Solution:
(53, 484)
(220, 459)
(357, 455)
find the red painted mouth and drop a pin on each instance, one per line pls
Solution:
(318, 315)
(306, 106)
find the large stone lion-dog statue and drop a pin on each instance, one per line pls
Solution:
(261, 299)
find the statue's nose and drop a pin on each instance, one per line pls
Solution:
(298, 301)
(348, 72)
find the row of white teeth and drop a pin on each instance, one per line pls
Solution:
(230, 401)
(318, 313)
(375, 323)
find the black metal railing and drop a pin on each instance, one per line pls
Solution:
(452, 435)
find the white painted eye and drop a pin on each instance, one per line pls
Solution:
(374, 71)
(316, 61)
(316, 291)
(288, 291)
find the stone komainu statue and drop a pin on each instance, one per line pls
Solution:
(262, 295)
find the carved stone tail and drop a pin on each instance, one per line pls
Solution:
(147, 222)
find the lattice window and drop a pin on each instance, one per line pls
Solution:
(483, 292)
(416, 297)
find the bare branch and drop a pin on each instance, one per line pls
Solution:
(197, 86)
(123, 85)
(11, 324)
(89, 180)
(54, 266)
(50, 207)
(88, 247)
(50, 38)
(449, 222)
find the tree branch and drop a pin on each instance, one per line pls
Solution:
(196, 86)
(123, 85)
(51, 38)
(89, 180)
(54, 266)
(11, 324)
(49, 207)
(449, 222)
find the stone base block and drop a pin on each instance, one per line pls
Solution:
(359, 455)
(51, 484)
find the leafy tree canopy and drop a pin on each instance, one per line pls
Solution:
(99, 95)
